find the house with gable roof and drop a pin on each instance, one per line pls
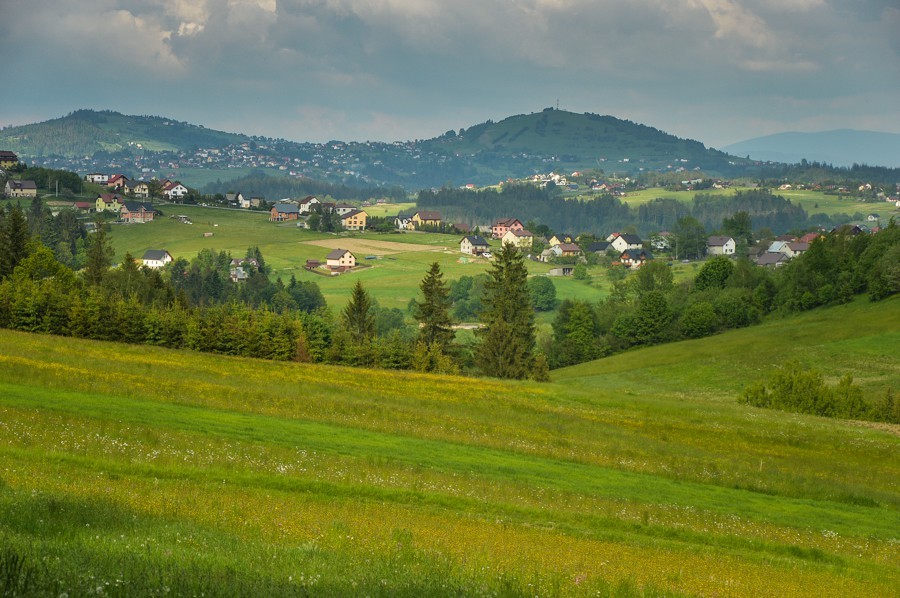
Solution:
(501, 226)
(109, 202)
(635, 258)
(794, 249)
(720, 245)
(424, 218)
(8, 159)
(282, 212)
(116, 181)
(520, 238)
(340, 260)
(138, 189)
(354, 220)
(307, 204)
(173, 190)
(625, 241)
(568, 249)
(137, 211)
(473, 245)
(156, 258)
(17, 188)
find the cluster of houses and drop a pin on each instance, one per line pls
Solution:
(128, 210)
(784, 248)
(171, 190)
(629, 248)
(351, 217)
(240, 268)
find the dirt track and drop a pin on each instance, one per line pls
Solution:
(363, 247)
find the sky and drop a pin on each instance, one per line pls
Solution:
(718, 71)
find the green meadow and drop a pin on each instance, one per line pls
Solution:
(400, 260)
(814, 202)
(133, 470)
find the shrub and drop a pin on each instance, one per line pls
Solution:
(792, 388)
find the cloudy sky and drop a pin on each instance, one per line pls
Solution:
(719, 71)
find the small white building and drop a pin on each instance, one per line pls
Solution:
(340, 259)
(307, 204)
(97, 177)
(473, 245)
(624, 242)
(720, 245)
(174, 191)
(156, 258)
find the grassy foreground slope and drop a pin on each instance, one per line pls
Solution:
(135, 470)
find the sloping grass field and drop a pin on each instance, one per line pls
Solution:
(392, 279)
(814, 202)
(131, 470)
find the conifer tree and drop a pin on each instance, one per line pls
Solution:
(99, 255)
(14, 238)
(358, 315)
(508, 337)
(433, 313)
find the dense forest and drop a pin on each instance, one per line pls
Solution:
(274, 188)
(606, 213)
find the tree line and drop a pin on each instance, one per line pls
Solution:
(195, 304)
(607, 213)
(278, 187)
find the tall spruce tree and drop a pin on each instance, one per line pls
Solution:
(508, 337)
(99, 255)
(14, 238)
(358, 315)
(433, 313)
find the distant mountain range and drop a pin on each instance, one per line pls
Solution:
(515, 147)
(550, 140)
(842, 147)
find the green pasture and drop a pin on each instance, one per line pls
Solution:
(141, 470)
(393, 279)
(817, 202)
(643, 196)
(814, 202)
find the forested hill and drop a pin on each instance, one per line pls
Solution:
(518, 146)
(484, 154)
(580, 141)
(86, 132)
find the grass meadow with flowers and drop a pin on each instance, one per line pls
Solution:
(129, 470)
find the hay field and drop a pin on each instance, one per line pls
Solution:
(362, 246)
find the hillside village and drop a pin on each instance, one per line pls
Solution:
(130, 201)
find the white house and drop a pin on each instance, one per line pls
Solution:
(794, 249)
(624, 242)
(174, 191)
(97, 177)
(473, 245)
(720, 245)
(156, 258)
(307, 203)
(340, 259)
